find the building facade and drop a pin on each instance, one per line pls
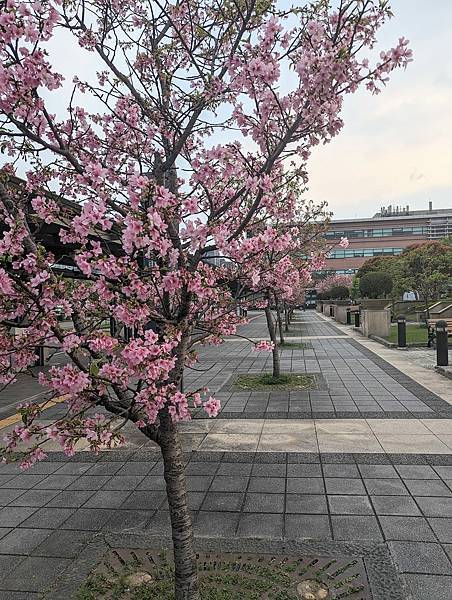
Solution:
(385, 234)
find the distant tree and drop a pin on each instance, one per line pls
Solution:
(334, 280)
(375, 284)
(427, 269)
(339, 292)
(377, 263)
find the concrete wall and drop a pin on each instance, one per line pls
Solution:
(341, 314)
(376, 322)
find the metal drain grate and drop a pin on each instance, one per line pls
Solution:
(271, 576)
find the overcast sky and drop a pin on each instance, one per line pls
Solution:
(396, 148)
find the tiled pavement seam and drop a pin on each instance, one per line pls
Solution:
(50, 515)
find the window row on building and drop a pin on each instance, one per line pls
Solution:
(363, 233)
(364, 252)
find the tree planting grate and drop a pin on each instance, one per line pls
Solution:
(130, 573)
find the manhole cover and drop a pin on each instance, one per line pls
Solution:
(235, 575)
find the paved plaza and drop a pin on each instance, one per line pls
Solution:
(361, 464)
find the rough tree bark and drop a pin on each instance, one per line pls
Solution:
(280, 325)
(186, 577)
(286, 318)
(272, 332)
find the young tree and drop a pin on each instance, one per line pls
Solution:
(132, 146)
(427, 269)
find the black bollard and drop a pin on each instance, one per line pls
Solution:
(331, 310)
(349, 317)
(401, 331)
(357, 318)
(442, 349)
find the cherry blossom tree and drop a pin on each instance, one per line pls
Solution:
(174, 143)
(325, 285)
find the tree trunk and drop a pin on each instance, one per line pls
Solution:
(186, 577)
(272, 332)
(280, 325)
(286, 318)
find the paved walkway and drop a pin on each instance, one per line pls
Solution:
(364, 459)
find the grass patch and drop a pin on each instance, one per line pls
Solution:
(415, 334)
(266, 381)
(292, 345)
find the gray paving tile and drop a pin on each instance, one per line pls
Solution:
(444, 472)
(306, 504)
(56, 482)
(7, 496)
(434, 507)
(136, 468)
(87, 519)
(145, 500)
(414, 529)
(24, 481)
(104, 468)
(385, 487)
(107, 499)
(429, 586)
(307, 526)
(22, 541)
(63, 544)
(88, 482)
(442, 528)
(344, 486)
(35, 498)
(340, 470)
(226, 501)
(73, 468)
(264, 503)
(304, 470)
(305, 485)
(428, 487)
(228, 468)
(355, 528)
(420, 557)
(199, 483)
(35, 574)
(124, 482)
(11, 516)
(128, 521)
(73, 498)
(378, 471)
(253, 525)
(228, 483)
(50, 518)
(268, 470)
(395, 505)
(416, 472)
(268, 485)
(216, 524)
(350, 505)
